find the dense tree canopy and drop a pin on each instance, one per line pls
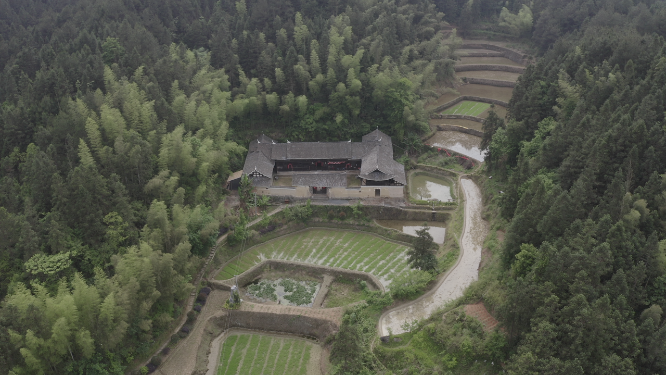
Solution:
(582, 159)
(120, 122)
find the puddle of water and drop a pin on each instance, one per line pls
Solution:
(458, 121)
(464, 60)
(464, 144)
(489, 74)
(466, 271)
(426, 187)
(437, 230)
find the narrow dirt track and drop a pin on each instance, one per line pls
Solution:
(459, 277)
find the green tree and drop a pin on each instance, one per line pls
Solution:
(421, 256)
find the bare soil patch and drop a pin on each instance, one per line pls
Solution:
(478, 311)
(488, 74)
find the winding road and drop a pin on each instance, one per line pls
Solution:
(459, 277)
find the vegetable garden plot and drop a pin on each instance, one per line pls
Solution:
(286, 291)
(245, 353)
(337, 248)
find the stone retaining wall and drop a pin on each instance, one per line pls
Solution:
(464, 117)
(489, 82)
(282, 265)
(515, 56)
(470, 98)
(482, 54)
(458, 128)
(491, 67)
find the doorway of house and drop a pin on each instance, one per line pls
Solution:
(377, 192)
(319, 190)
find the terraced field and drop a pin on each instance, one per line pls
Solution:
(467, 108)
(345, 249)
(249, 354)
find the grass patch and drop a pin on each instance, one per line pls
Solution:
(467, 108)
(343, 293)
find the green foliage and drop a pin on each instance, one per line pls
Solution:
(421, 257)
(410, 284)
(299, 212)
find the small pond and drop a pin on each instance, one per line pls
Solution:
(437, 229)
(464, 144)
(425, 187)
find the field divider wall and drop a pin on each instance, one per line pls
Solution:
(490, 67)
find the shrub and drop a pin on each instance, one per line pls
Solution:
(202, 298)
(191, 316)
(206, 290)
(151, 368)
(166, 350)
(331, 215)
(182, 335)
(342, 215)
(410, 284)
(185, 329)
(197, 308)
(175, 338)
(156, 361)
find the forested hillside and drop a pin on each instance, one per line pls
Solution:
(120, 122)
(581, 162)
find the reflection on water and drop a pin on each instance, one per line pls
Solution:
(437, 229)
(425, 187)
(465, 144)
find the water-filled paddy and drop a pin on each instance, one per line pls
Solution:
(464, 60)
(461, 143)
(426, 187)
(457, 121)
(254, 353)
(437, 229)
(490, 74)
(357, 251)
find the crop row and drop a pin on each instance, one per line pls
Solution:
(260, 354)
(344, 249)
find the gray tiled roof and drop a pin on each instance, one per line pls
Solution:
(257, 161)
(261, 181)
(319, 150)
(320, 180)
(378, 165)
(375, 153)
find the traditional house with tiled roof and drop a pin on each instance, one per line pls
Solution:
(334, 169)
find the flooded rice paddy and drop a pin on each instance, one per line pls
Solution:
(437, 230)
(457, 121)
(464, 144)
(489, 74)
(464, 60)
(460, 277)
(425, 187)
